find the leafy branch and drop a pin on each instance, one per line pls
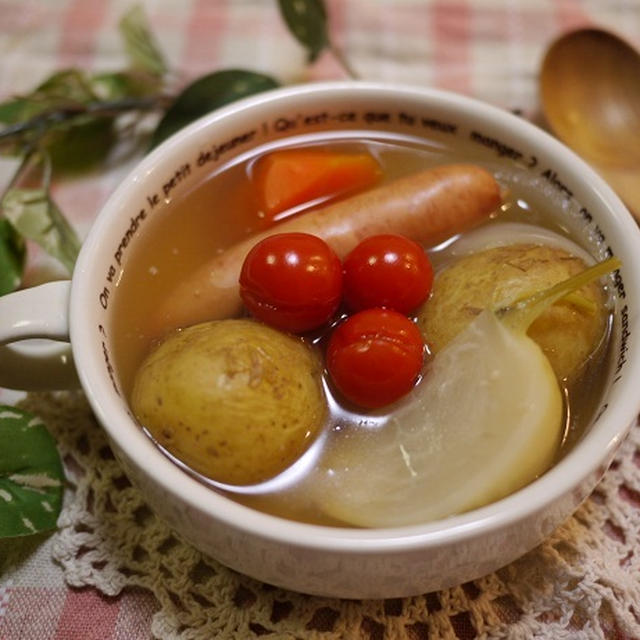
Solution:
(44, 121)
(67, 123)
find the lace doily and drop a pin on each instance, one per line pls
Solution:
(582, 583)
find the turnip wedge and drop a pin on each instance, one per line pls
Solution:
(486, 420)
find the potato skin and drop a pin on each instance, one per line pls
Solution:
(567, 333)
(233, 399)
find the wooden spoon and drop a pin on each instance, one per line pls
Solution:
(590, 93)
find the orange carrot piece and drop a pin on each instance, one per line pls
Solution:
(291, 177)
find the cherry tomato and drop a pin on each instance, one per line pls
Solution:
(374, 357)
(388, 271)
(292, 281)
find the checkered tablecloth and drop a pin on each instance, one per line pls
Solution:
(490, 49)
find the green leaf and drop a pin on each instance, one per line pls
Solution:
(125, 84)
(12, 257)
(35, 216)
(307, 21)
(69, 86)
(78, 146)
(140, 45)
(12, 110)
(31, 475)
(208, 93)
(111, 86)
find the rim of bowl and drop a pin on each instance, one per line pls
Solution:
(582, 461)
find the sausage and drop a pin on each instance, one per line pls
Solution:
(428, 207)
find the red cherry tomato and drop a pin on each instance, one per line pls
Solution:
(292, 281)
(374, 357)
(388, 271)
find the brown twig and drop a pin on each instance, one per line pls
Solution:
(47, 119)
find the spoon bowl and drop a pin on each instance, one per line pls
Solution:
(590, 94)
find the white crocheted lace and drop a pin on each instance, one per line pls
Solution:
(582, 583)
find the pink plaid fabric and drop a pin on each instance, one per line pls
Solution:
(490, 49)
(36, 604)
(65, 614)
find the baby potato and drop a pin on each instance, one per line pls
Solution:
(568, 331)
(233, 399)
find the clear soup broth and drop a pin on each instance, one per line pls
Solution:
(222, 210)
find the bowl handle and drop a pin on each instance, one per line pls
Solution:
(34, 336)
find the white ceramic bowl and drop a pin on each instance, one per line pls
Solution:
(344, 562)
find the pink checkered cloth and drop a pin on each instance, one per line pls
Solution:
(490, 49)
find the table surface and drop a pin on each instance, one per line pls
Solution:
(490, 49)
